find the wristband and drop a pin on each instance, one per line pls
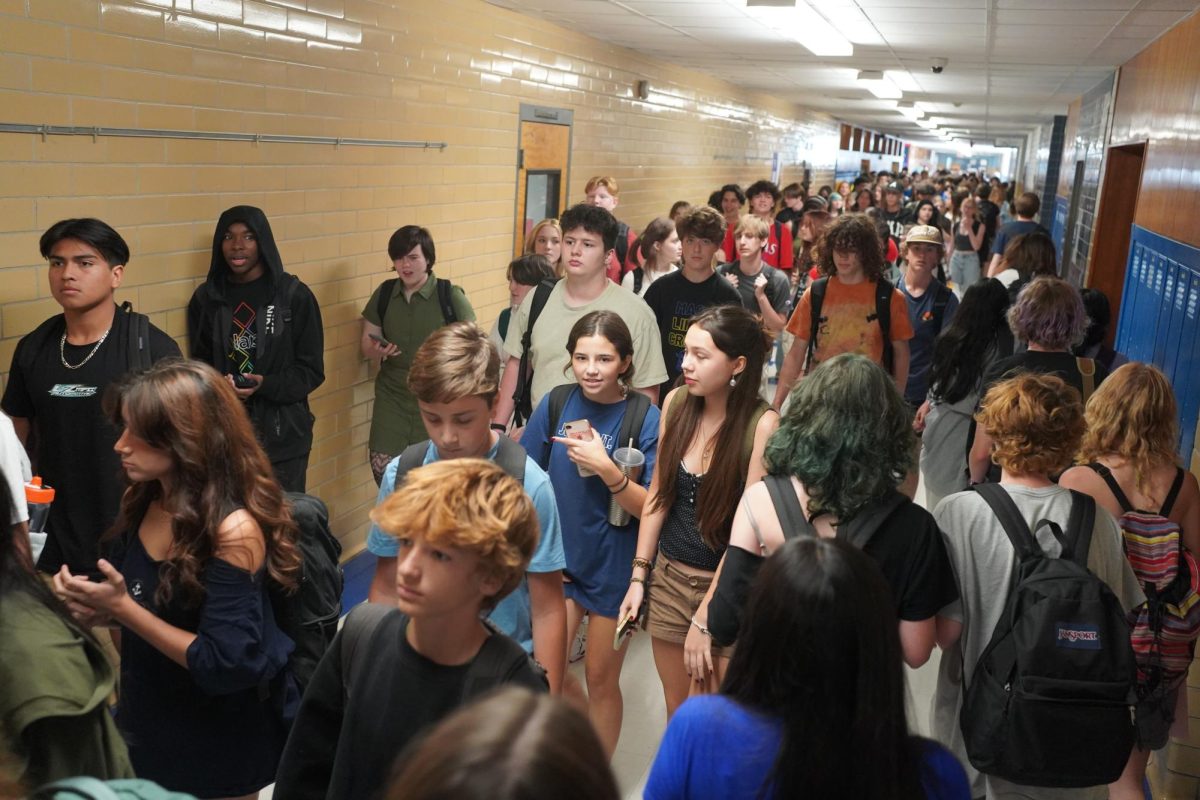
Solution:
(636, 579)
(643, 563)
(624, 484)
(497, 426)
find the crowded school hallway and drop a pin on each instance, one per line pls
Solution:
(526, 399)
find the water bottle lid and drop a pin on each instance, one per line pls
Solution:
(36, 493)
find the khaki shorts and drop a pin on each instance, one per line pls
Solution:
(676, 591)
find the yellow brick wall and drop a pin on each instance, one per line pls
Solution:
(453, 71)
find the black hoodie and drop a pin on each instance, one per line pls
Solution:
(290, 348)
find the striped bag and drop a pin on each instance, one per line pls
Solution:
(1165, 627)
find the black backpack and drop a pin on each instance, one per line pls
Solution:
(523, 396)
(858, 531)
(1052, 698)
(309, 616)
(441, 286)
(510, 457)
(622, 245)
(136, 342)
(636, 406)
(883, 315)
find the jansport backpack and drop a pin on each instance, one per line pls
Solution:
(1165, 627)
(1051, 700)
(309, 616)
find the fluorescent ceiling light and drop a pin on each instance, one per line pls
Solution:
(805, 26)
(878, 85)
(926, 124)
(903, 79)
(909, 110)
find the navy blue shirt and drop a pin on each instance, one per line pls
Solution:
(926, 326)
(1012, 230)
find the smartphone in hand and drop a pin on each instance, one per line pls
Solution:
(624, 628)
(244, 381)
(580, 429)
(382, 342)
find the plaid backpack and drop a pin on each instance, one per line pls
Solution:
(1166, 626)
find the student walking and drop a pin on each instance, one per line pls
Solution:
(660, 251)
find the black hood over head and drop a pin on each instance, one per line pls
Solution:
(268, 254)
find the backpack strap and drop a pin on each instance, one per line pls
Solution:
(639, 277)
(385, 297)
(792, 521)
(1079, 528)
(1173, 493)
(523, 398)
(555, 405)
(412, 457)
(637, 405)
(1114, 487)
(137, 344)
(283, 301)
(815, 301)
(443, 288)
(941, 299)
(883, 315)
(1011, 521)
(751, 430)
(859, 530)
(762, 545)
(497, 659)
(622, 246)
(510, 457)
(1087, 370)
(360, 625)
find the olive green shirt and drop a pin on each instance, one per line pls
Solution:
(395, 421)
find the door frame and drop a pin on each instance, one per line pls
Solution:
(1111, 237)
(546, 115)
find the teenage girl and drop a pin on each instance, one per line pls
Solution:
(546, 240)
(598, 552)
(203, 529)
(968, 239)
(661, 251)
(711, 449)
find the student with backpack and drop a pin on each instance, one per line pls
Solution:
(523, 275)
(711, 438)
(401, 312)
(58, 379)
(598, 551)
(465, 531)
(813, 704)
(602, 191)
(261, 328)
(1130, 467)
(203, 533)
(660, 249)
(1017, 547)
(454, 377)
(931, 306)
(851, 310)
(833, 469)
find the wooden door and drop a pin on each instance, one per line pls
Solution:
(542, 166)
(1114, 221)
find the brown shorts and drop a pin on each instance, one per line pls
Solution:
(676, 591)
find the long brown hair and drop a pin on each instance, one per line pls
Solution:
(736, 332)
(191, 412)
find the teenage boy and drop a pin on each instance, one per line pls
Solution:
(261, 328)
(1027, 207)
(931, 306)
(763, 289)
(464, 534)
(675, 298)
(57, 381)
(602, 191)
(454, 375)
(589, 236)
(763, 195)
(849, 319)
(892, 211)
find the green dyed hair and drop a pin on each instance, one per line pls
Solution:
(847, 436)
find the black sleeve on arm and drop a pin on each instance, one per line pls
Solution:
(930, 584)
(306, 766)
(199, 338)
(306, 371)
(16, 401)
(729, 599)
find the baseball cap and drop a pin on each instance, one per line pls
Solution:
(894, 187)
(924, 234)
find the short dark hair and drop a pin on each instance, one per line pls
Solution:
(530, 269)
(408, 237)
(737, 190)
(702, 222)
(592, 219)
(763, 187)
(95, 233)
(1027, 205)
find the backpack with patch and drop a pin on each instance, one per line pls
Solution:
(309, 616)
(1166, 626)
(883, 315)
(442, 288)
(1051, 699)
(510, 457)
(523, 396)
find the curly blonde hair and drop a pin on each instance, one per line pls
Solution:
(470, 504)
(1036, 423)
(1132, 415)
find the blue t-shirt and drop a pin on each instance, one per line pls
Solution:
(1011, 231)
(598, 554)
(715, 748)
(925, 330)
(511, 615)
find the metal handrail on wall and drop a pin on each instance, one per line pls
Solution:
(224, 136)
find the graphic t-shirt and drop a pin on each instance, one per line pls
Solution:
(674, 300)
(848, 321)
(246, 299)
(778, 287)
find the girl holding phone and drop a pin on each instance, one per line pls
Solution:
(598, 552)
